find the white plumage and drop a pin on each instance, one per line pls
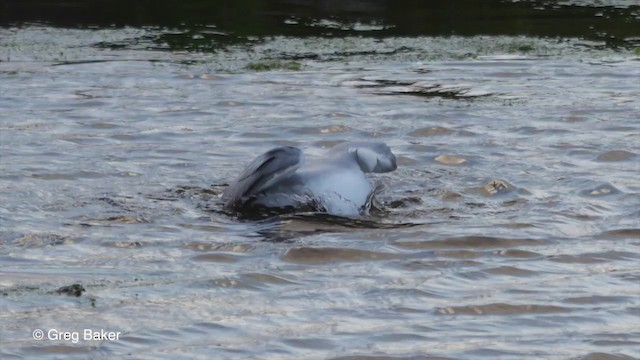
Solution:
(335, 182)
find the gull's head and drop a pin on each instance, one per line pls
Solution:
(373, 157)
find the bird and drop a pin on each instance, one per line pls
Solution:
(335, 183)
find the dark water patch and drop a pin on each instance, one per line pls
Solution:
(284, 227)
(493, 353)
(274, 65)
(346, 222)
(617, 343)
(582, 216)
(530, 130)
(328, 255)
(60, 350)
(502, 309)
(81, 62)
(366, 83)
(207, 327)
(109, 221)
(629, 277)
(606, 356)
(597, 300)
(218, 258)
(620, 234)
(406, 310)
(126, 220)
(472, 242)
(398, 337)
(616, 155)
(594, 258)
(204, 227)
(21, 290)
(511, 271)
(407, 202)
(630, 130)
(376, 53)
(71, 290)
(421, 89)
(519, 254)
(116, 202)
(207, 26)
(517, 225)
(575, 119)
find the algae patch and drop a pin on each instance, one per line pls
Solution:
(274, 65)
(71, 290)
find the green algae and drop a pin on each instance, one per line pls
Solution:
(274, 65)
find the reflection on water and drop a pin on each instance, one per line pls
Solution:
(203, 25)
(511, 228)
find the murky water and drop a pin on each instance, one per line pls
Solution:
(510, 230)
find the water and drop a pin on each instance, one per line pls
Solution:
(510, 230)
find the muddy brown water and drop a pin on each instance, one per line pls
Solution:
(510, 229)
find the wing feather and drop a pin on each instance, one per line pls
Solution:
(263, 172)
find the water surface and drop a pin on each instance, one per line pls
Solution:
(510, 230)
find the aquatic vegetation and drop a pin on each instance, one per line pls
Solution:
(71, 290)
(274, 65)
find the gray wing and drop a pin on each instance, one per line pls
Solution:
(262, 173)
